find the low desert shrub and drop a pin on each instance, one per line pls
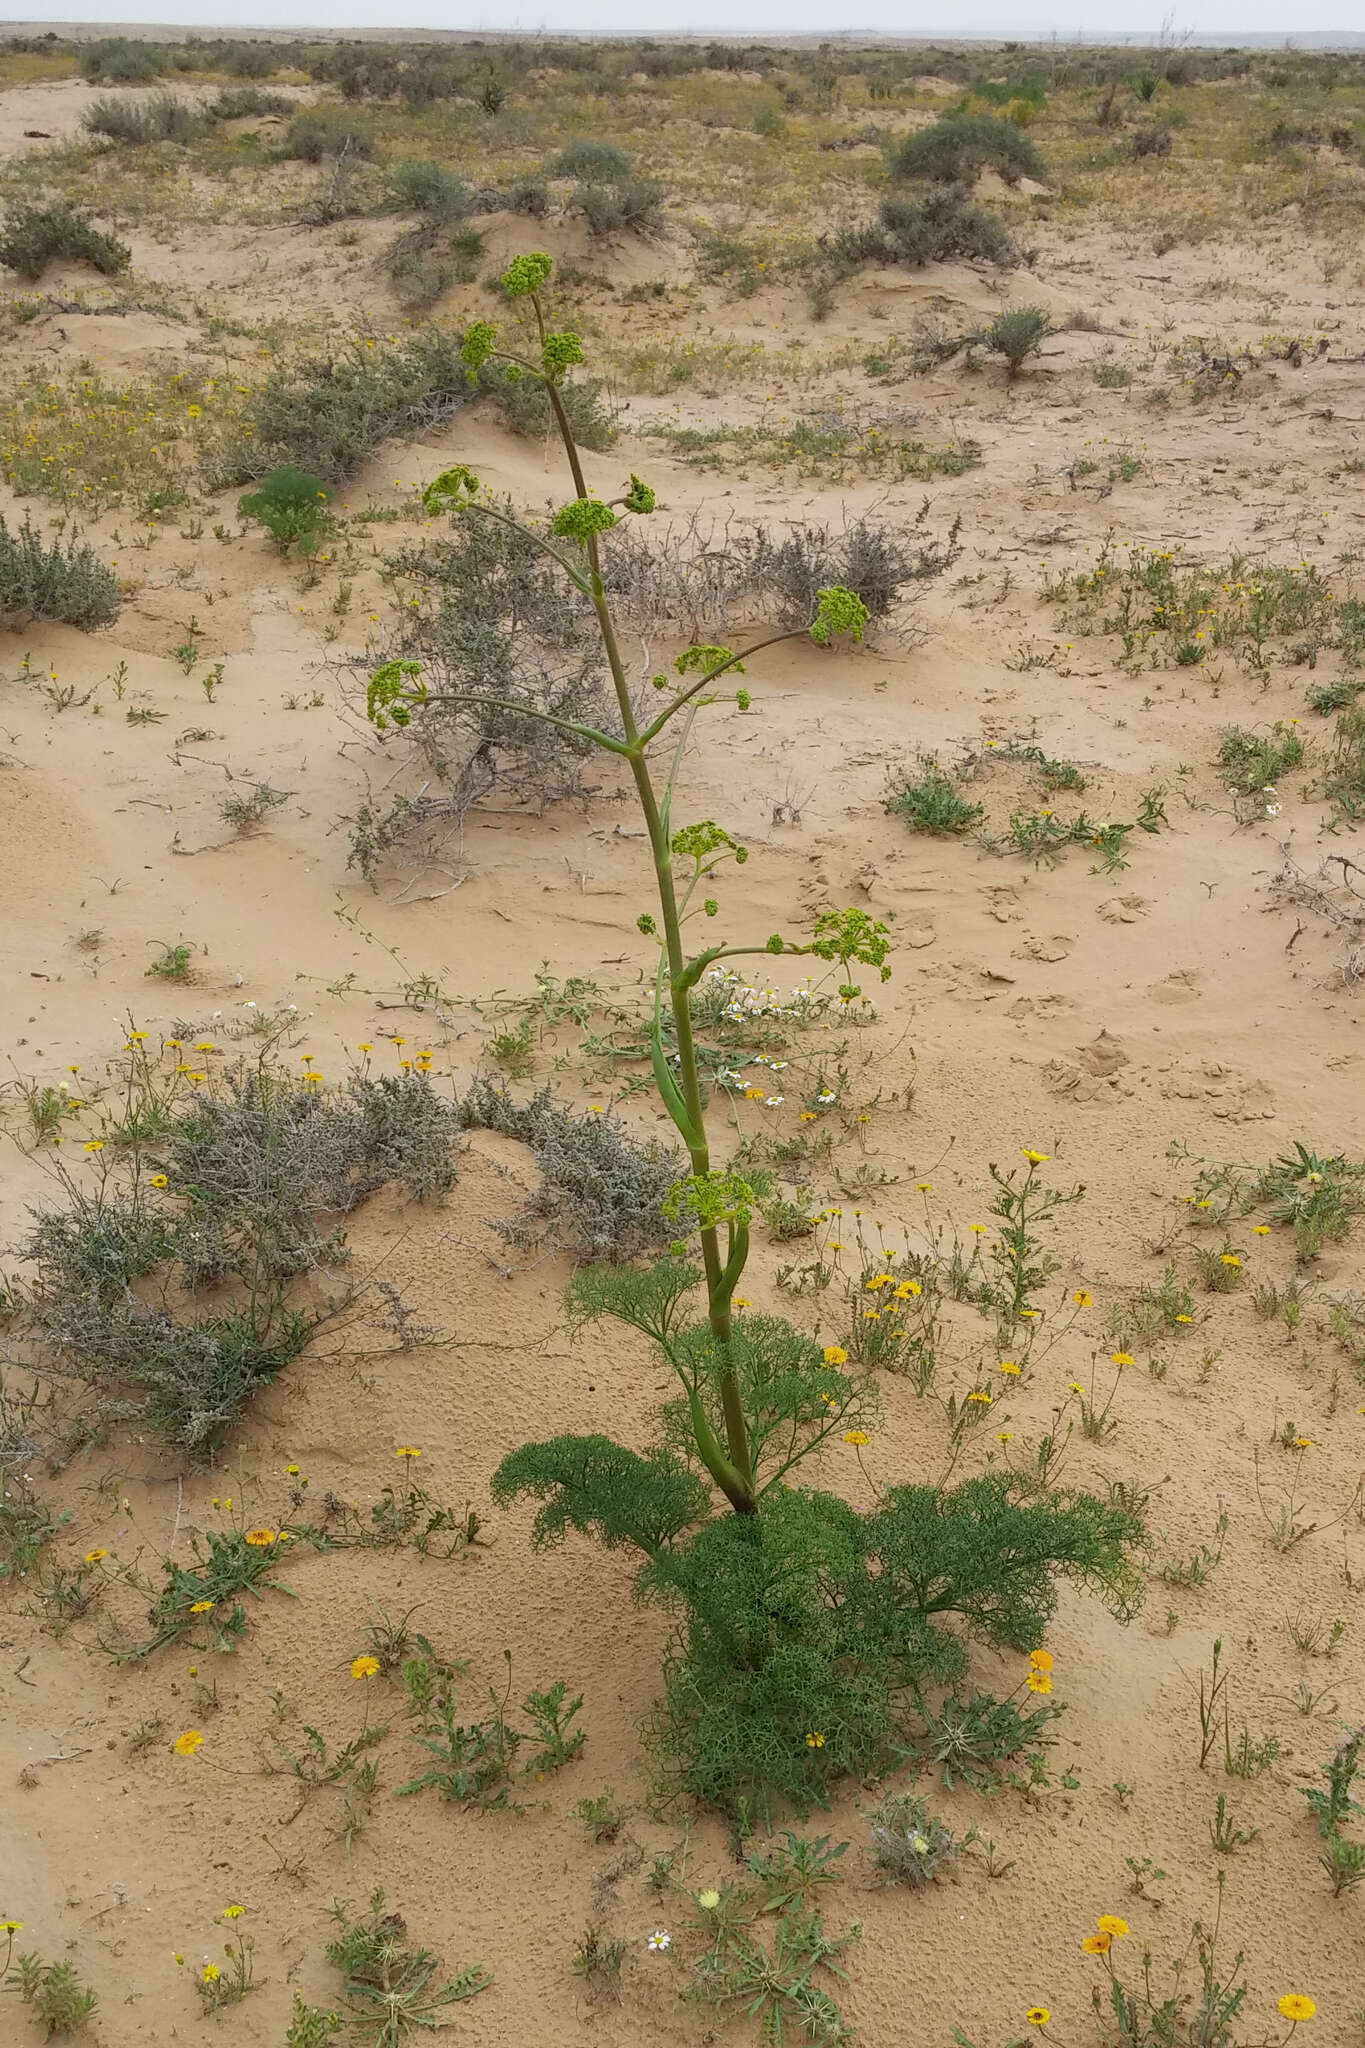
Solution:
(703, 574)
(944, 225)
(291, 506)
(419, 186)
(248, 60)
(34, 235)
(328, 415)
(255, 1174)
(592, 163)
(432, 257)
(602, 1191)
(118, 60)
(326, 131)
(1150, 142)
(956, 149)
(608, 194)
(1016, 336)
(526, 410)
(241, 102)
(627, 206)
(530, 196)
(64, 581)
(160, 118)
(488, 614)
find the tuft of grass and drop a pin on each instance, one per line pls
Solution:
(1343, 782)
(291, 506)
(173, 963)
(1255, 761)
(932, 802)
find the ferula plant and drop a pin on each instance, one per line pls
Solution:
(801, 1621)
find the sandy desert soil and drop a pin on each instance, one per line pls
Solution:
(1201, 1004)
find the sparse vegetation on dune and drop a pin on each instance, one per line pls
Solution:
(683, 734)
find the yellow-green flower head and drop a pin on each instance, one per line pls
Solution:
(527, 274)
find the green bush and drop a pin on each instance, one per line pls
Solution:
(809, 1619)
(62, 581)
(117, 60)
(33, 235)
(1029, 89)
(162, 118)
(419, 186)
(593, 163)
(957, 149)
(1017, 335)
(326, 131)
(932, 802)
(944, 225)
(238, 102)
(627, 206)
(328, 415)
(530, 196)
(291, 506)
(249, 60)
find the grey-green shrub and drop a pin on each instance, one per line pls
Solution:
(326, 131)
(942, 225)
(1017, 335)
(34, 235)
(627, 206)
(119, 60)
(594, 163)
(419, 186)
(161, 118)
(258, 1175)
(64, 581)
(328, 415)
(957, 149)
(239, 102)
(602, 1190)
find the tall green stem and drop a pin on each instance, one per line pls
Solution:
(734, 1474)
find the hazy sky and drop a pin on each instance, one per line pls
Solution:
(1026, 18)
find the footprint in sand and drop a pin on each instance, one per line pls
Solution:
(1182, 986)
(1123, 909)
(1032, 947)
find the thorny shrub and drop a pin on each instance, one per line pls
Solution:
(602, 1192)
(246, 1171)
